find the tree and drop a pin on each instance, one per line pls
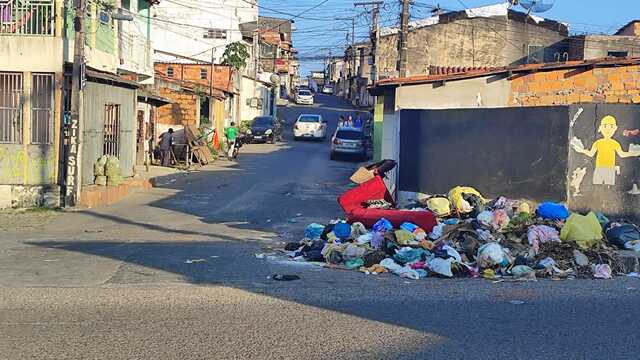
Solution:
(235, 55)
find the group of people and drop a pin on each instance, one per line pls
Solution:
(349, 121)
(167, 142)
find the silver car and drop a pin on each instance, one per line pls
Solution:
(349, 141)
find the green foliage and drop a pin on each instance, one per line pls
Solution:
(235, 55)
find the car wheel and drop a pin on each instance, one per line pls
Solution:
(273, 139)
(295, 138)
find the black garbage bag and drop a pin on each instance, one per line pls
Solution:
(619, 233)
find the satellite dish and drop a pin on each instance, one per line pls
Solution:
(536, 6)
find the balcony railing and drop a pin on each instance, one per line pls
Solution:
(27, 17)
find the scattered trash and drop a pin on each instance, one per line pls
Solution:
(581, 259)
(602, 271)
(516, 302)
(634, 275)
(283, 277)
(501, 239)
(195, 261)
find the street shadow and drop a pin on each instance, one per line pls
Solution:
(443, 308)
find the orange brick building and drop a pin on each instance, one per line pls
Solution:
(202, 94)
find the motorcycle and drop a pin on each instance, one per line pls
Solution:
(233, 152)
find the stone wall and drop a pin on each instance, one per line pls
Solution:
(611, 85)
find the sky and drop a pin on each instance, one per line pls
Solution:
(318, 33)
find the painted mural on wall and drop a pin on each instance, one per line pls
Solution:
(605, 151)
(604, 163)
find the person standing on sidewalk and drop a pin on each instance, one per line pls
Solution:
(166, 148)
(231, 133)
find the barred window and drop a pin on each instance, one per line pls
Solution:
(42, 86)
(111, 141)
(11, 102)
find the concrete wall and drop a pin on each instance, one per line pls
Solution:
(514, 152)
(475, 42)
(468, 93)
(214, 14)
(247, 112)
(618, 197)
(599, 46)
(31, 53)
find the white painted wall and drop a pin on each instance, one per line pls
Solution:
(189, 40)
(492, 92)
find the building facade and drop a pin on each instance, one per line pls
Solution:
(38, 142)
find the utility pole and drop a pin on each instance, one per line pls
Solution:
(375, 15)
(402, 39)
(73, 179)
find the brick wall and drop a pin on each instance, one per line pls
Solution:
(610, 85)
(192, 72)
(183, 111)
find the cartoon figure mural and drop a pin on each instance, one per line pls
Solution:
(605, 151)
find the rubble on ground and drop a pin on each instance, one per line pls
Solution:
(503, 239)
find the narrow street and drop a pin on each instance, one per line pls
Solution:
(173, 274)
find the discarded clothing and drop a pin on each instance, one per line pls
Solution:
(491, 255)
(377, 204)
(539, 234)
(439, 205)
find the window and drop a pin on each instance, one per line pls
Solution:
(41, 108)
(215, 34)
(535, 54)
(263, 121)
(170, 72)
(349, 135)
(203, 74)
(618, 54)
(309, 119)
(11, 108)
(111, 139)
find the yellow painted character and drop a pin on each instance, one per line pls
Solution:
(605, 151)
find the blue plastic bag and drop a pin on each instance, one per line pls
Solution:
(342, 230)
(383, 225)
(553, 211)
(313, 231)
(409, 227)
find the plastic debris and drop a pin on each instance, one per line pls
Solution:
(284, 277)
(602, 271)
(195, 261)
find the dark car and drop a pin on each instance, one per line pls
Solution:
(263, 129)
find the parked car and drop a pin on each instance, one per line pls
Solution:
(310, 126)
(263, 129)
(349, 141)
(327, 89)
(304, 97)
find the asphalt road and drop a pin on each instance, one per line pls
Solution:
(173, 274)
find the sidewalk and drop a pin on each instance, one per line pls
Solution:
(93, 196)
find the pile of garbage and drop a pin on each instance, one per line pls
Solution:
(502, 239)
(107, 171)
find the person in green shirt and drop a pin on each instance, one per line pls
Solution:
(231, 133)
